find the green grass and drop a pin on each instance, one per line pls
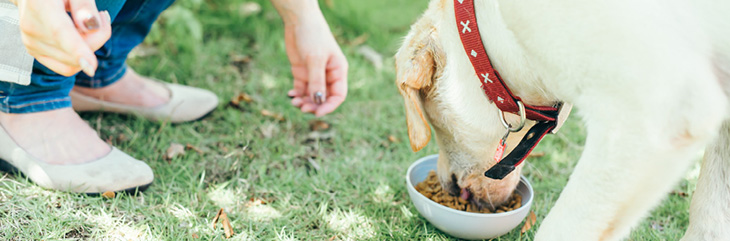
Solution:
(357, 193)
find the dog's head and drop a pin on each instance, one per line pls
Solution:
(439, 86)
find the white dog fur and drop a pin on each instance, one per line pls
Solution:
(649, 78)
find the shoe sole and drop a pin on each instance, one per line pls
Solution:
(126, 116)
(9, 168)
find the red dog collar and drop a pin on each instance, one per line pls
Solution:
(498, 92)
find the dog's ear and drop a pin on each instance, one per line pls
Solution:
(418, 63)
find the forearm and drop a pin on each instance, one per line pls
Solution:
(295, 11)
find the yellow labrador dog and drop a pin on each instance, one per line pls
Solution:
(649, 78)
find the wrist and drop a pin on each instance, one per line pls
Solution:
(295, 12)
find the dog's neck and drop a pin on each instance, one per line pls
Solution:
(509, 57)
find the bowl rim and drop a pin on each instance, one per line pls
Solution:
(522, 179)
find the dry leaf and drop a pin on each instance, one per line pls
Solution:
(217, 216)
(529, 222)
(679, 193)
(195, 235)
(227, 229)
(255, 202)
(329, 3)
(239, 59)
(121, 137)
(237, 100)
(108, 194)
(174, 150)
(359, 40)
(333, 237)
(318, 125)
(194, 148)
(273, 115)
(393, 139)
(536, 154)
(241, 97)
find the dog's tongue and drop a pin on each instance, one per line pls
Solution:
(465, 194)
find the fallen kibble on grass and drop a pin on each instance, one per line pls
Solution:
(393, 139)
(108, 194)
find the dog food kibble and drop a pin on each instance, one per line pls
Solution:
(431, 188)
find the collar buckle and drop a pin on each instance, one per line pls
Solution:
(523, 118)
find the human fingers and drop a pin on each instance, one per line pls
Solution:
(98, 38)
(57, 66)
(317, 86)
(337, 71)
(48, 46)
(297, 102)
(292, 93)
(300, 87)
(71, 42)
(328, 107)
(338, 94)
(67, 60)
(48, 31)
(308, 107)
(337, 68)
(51, 50)
(85, 15)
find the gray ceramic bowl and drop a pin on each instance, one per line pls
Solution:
(463, 224)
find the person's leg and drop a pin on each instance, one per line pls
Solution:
(112, 81)
(39, 119)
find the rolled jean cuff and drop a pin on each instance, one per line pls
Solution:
(102, 78)
(38, 106)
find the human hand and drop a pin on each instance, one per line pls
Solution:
(318, 65)
(64, 44)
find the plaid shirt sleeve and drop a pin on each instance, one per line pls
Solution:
(15, 62)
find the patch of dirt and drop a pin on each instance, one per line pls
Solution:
(78, 233)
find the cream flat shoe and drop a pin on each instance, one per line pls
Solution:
(185, 104)
(116, 171)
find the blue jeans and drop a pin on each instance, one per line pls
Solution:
(131, 22)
